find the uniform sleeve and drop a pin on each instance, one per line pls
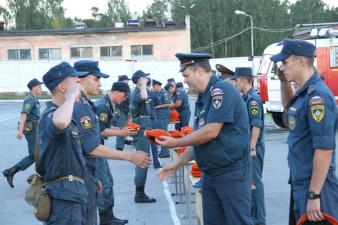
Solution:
(88, 127)
(103, 115)
(222, 105)
(51, 129)
(255, 109)
(321, 116)
(28, 105)
(179, 95)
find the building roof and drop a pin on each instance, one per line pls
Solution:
(73, 31)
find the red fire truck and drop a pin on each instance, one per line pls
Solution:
(325, 37)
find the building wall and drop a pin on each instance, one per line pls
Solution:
(15, 75)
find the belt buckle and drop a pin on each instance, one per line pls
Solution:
(70, 178)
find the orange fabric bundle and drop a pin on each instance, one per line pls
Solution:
(195, 171)
(174, 116)
(186, 130)
(155, 133)
(181, 150)
(175, 134)
(132, 126)
(303, 220)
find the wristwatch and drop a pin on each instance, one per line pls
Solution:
(313, 195)
(253, 149)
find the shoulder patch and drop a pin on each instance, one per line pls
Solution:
(103, 117)
(252, 103)
(86, 122)
(318, 112)
(216, 91)
(254, 108)
(27, 106)
(316, 100)
(217, 101)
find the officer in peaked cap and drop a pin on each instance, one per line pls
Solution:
(140, 111)
(244, 79)
(224, 72)
(30, 115)
(220, 143)
(60, 142)
(121, 115)
(311, 140)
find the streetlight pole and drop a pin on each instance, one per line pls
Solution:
(238, 12)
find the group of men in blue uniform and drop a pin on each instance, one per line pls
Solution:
(227, 142)
(228, 139)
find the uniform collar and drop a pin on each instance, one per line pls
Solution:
(107, 97)
(313, 79)
(207, 91)
(250, 92)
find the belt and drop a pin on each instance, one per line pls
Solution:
(70, 178)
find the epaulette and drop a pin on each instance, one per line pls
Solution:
(311, 88)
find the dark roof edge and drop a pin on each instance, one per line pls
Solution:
(89, 31)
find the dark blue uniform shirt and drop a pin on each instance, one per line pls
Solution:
(180, 94)
(60, 155)
(164, 98)
(87, 122)
(153, 101)
(31, 107)
(255, 112)
(220, 103)
(104, 110)
(312, 118)
(140, 110)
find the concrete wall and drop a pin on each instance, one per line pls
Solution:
(14, 75)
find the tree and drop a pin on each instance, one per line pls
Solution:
(118, 11)
(157, 10)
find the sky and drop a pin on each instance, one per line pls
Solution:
(81, 8)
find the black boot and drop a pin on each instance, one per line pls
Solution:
(120, 149)
(9, 174)
(141, 197)
(108, 218)
(128, 142)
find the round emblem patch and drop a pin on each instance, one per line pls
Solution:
(292, 122)
(86, 122)
(103, 117)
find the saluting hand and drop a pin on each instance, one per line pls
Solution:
(167, 171)
(166, 141)
(281, 75)
(73, 90)
(140, 159)
(313, 210)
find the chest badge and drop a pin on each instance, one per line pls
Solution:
(292, 122)
(103, 117)
(86, 122)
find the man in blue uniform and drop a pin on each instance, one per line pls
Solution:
(181, 104)
(220, 144)
(105, 110)
(312, 122)
(60, 155)
(153, 102)
(30, 115)
(163, 112)
(140, 111)
(84, 115)
(121, 115)
(244, 79)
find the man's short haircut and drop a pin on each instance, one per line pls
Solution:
(205, 66)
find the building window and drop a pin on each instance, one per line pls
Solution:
(334, 56)
(19, 54)
(111, 51)
(49, 53)
(142, 50)
(81, 52)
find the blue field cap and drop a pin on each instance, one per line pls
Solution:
(123, 77)
(137, 75)
(189, 59)
(120, 86)
(154, 82)
(295, 47)
(34, 82)
(60, 72)
(242, 71)
(91, 66)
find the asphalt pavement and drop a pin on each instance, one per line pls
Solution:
(15, 211)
